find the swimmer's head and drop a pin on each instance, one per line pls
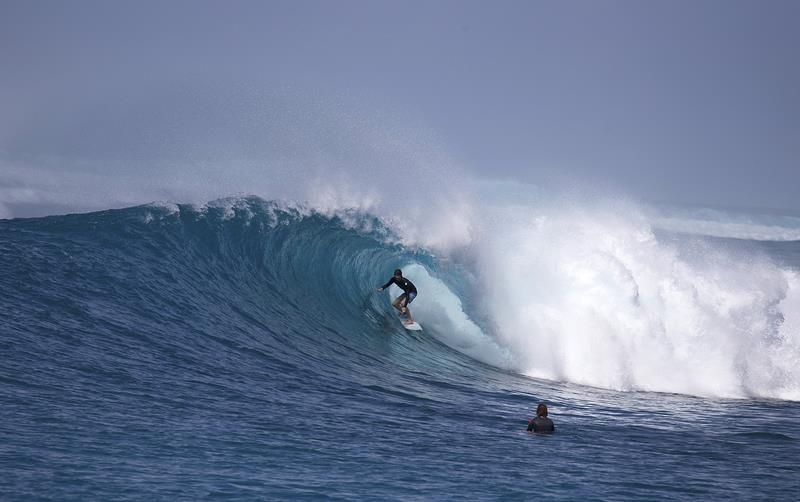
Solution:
(541, 410)
(398, 273)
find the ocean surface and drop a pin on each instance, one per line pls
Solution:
(239, 350)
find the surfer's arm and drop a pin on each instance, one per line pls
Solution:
(386, 285)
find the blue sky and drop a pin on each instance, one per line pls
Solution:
(692, 102)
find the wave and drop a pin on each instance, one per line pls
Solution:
(585, 293)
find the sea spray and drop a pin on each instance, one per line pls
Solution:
(589, 294)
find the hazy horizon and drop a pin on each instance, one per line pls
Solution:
(106, 104)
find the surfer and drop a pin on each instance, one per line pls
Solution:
(409, 293)
(541, 423)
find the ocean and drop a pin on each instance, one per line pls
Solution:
(239, 350)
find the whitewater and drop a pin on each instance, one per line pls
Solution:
(238, 349)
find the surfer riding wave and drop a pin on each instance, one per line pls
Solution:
(409, 293)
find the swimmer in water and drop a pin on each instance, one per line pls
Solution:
(541, 423)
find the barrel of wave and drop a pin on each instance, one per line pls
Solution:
(441, 311)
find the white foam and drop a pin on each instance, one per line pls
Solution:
(589, 295)
(441, 312)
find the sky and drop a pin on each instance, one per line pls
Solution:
(114, 103)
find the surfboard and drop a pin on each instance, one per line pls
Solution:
(414, 326)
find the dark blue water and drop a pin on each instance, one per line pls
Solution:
(242, 353)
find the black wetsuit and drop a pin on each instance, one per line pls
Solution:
(409, 290)
(541, 424)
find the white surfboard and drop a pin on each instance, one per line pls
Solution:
(414, 326)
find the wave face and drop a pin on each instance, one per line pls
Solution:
(240, 350)
(592, 295)
(195, 282)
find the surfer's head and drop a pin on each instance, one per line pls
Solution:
(398, 273)
(541, 410)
